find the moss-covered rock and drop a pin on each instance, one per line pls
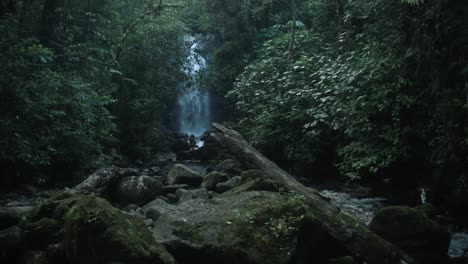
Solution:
(211, 179)
(258, 184)
(249, 227)
(181, 174)
(96, 232)
(137, 189)
(42, 232)
(250, 175)
(412, 231)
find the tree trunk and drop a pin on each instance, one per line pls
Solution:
(354, 236)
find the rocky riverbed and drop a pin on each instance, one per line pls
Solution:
(218, 211)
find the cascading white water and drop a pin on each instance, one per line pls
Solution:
(194, 102)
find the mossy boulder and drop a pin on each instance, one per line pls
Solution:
(181, 174)
(250, 175)
(96, 232)
(250, 227)
(412, 231)
(259, 184)
(211, 179)
(41, 233)
(137, 189)
(228, 185)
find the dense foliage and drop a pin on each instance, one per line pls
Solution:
(83, 82)
(368, 88)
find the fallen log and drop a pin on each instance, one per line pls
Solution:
(353, 235)
(99, 181)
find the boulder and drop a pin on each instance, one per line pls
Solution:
(250, 227)
(96, 232)
(186, 195)
(11, 238)
(11, 215)
(230, 166)
(181, 174)
(137, 189)
(259, 184)
(154, 209)
(228, 185)
(173, 188)
(249, 175)
(41, 233)
(211, 179)
(412, 231)
(35, 257)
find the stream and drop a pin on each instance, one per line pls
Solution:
(363, 209)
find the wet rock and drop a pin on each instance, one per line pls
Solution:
(130, 207)
(173, 188)
(40, 233)
(128, 172)
(251, 227)
(149, 222)
(11, 215)
(137, 189)
(181, 174)
(211, 179)
(229, 166)
(56, 253)
(259, 184)
(35, 257)
(228, 185)
(413, 232)
(154, 209)
(95, 232)
(11, 238)
(250, 175)
(187, 195)
(342, 260)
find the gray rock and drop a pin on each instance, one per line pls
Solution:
(137, 189)
(154, 209)
(201, 193)
(251, 227)
(11, 238)
(249, 175)
(35, 257)
(128, 172)
(230, 166)
(93, 228)
(181, 174)
(173, 188)
(228, 185)
(130, 207)
(412, 231)
(211, 179)
(149, 222)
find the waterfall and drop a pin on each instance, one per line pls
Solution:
(194, 102)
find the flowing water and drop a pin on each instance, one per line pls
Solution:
(363, 209)
(194, 102)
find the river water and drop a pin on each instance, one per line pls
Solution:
(363, 210)
(194, 103)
